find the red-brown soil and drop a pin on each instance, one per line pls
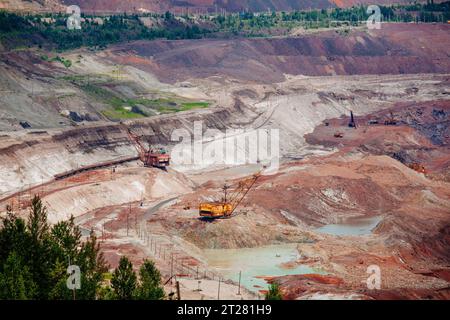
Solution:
(395, 49)
(421, 135)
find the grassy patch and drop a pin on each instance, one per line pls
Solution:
(66, 62)
(119, 106)
(126, 108)
(167, 106)
(121, 113)
(194, 105)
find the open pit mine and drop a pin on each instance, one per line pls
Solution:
(337, 185)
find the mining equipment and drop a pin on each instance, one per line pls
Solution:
(151, 158)
(391, 121)
(418, 167)
(352, 123)
(227, 206)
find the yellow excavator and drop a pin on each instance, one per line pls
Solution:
(226, 207)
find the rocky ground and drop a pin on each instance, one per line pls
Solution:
(329, 172)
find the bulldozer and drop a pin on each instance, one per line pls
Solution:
(227, 206)
(151, 158)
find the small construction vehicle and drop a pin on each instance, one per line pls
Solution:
(338, 135)
(227, 207)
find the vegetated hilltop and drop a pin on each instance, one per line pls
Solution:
(49, 30)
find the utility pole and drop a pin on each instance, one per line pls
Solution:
(178, 290)
(218, 291)
(239, 288)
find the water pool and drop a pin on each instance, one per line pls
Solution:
(256, 262)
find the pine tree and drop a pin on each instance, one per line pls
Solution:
(93, 266)
(16, 281)
(150, 282)
(39, 255)
(34, 257)
(13, 237)
(124, 280)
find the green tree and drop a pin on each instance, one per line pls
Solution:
(93, 265)
(34, 257)
(274, 292)
(124, 280)
(39, 254)
(168, 16)
(16, 282)
(150, 282)
(13, 237)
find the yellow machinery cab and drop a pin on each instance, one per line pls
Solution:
(215, 210)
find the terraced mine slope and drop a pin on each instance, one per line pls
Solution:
(395, 49)
(343, 199)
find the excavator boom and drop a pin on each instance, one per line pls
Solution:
(226, 208)
(148, 157)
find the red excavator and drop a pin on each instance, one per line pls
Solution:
(151, 158)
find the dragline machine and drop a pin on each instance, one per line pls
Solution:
(229, 203)
(151, 158)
